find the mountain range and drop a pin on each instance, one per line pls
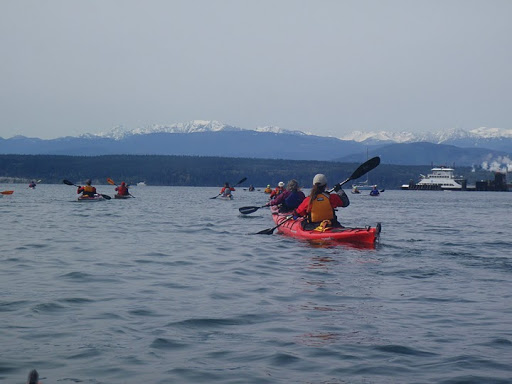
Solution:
(477, 147)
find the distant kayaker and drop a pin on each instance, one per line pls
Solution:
(374, 191)
(32, 184)
(251, 188)
(319, 206)
(279, 189)
(226, 190)
(290, 198)
(122, 190)
(268, 189)
(87, 190)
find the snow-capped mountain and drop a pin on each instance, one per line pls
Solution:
(440, 137)
(194, 126)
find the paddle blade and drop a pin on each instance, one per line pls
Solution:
(67, 182)
(247, 210)
(366, 167)
(110, 181)
(107, 197)
(241, 181)
(268, 231)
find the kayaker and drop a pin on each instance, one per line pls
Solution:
(32, 184)
(226, 190)
(122, 190)
(268, 189)
(279, 189)
(290, 198)
(251, 188)
(87, 189)
(374, 191)
(318, 207)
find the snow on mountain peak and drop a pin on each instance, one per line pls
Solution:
(359, 136)
(434, 137)
(489, 133)
(193, 126)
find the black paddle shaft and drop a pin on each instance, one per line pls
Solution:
(362, 170)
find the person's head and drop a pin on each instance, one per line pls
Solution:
(320, 180)
(123, 183)
(88, 182)
(319, 185)
(292, 185)
(280, 184)
(268, 185)
(226, 184)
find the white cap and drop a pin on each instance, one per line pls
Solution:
(320, 179)
(281, 184)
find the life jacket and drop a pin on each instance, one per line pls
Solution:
(321, 209)
(226, 191)
(88, 190)
(122, 190)
(293, 200)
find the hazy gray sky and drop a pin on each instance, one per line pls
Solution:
(325, 66)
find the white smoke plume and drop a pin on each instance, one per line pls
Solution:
(501, 164)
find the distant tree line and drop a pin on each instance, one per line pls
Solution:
(202, 171)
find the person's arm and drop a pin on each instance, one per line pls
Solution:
(233, 189)
(280, 198)
(79, 189)
(303, 207)
(339, 199)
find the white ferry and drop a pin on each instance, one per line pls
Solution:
(441, 178)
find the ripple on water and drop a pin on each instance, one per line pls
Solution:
(167, 344)
(51, 307)
(216, 322)
(403, 350)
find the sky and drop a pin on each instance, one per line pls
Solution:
(328, 67)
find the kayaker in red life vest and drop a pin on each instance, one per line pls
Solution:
(122, 190)
(320, 204)
(290, 198)
(87, 189)
(226, 190)
(279, 189)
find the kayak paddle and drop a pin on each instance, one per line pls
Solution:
(363, 169)
(237, 184)
(270, 231)
(112, 182)
(247, 210)
(70, 183)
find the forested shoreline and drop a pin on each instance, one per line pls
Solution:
(200, 171)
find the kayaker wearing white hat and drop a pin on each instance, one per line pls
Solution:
(279, 189)
(319, 206)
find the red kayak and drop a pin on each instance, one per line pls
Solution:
(367, 235)
(96, 197)
(116, 196)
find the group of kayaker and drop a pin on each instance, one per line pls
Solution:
(318, 208)
(89, 191)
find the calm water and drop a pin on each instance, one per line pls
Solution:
(172, 287)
